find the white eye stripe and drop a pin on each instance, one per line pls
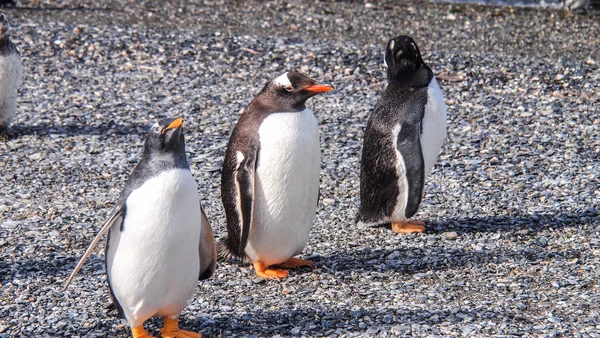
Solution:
(283, 81)
(391, 45)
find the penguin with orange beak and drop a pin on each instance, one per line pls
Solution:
(159, 239)
(270, 177)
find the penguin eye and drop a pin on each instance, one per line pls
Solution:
(288, 88)
(156, 129)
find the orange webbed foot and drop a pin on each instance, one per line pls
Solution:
(171, 330)
(408, 227)
(294, 263)
(264, 272)
(140, 332)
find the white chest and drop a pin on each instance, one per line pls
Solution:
(287, 186)
(153, 264)
(285, 139)
(166, 203)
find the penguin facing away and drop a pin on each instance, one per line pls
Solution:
(270, 176)
(159, 239)
(402, 140)
(11, 74)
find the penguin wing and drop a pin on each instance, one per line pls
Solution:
(409, 146)
(207, 249)
(115, 219)
(245, 182)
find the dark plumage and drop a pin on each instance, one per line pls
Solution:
(270, 175)
(393, 167)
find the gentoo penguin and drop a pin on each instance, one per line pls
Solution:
(270, 177)
(402, 140)
(573, 6)
(11, 74)
(160, 242)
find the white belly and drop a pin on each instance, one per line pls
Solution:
(434, 126)
(287, 186)
(153, 265)
(11, 73)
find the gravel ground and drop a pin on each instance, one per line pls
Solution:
(512, 247)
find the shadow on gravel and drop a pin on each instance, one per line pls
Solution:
(66, 9)
(77, 129)
(60, 268)
(522, 229)
(405, 262)
(511, 224)
(324, 322)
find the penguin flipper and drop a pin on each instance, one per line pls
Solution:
(117, 215)
(207, 249)
(409, 146)
(245, 182)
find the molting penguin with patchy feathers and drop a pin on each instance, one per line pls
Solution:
(159, 239)
(270, 177)
(11, 74)
(402, 140)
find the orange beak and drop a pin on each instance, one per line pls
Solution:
(319, 88)
(176, 123)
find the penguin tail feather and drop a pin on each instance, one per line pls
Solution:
(224, 253)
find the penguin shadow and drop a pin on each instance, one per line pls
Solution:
(53, 271)
(110, 128)
(522, 229)
(12, 5)
(532, 223)
(318, 322)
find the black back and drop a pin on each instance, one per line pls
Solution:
(163, 150)
(401, 105)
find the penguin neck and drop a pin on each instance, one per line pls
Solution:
(157, 161)
(418, 78)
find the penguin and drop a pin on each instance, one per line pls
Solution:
(11, 75)
(576, 6)
(159, 239)
(402, 140)
(270, 176)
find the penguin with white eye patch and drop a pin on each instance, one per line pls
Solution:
(402, 140)
(160, 242)
(270, 177)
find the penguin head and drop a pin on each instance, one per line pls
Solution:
(402, 56)
(4, 25)
(166, 136)
(292, 89)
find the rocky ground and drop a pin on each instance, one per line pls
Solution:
(512, 206)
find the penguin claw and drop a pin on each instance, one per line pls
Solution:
(181, 334)
(294, 263)
(264, 272)
(408, 227)
(140, 332)
(171, 330)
